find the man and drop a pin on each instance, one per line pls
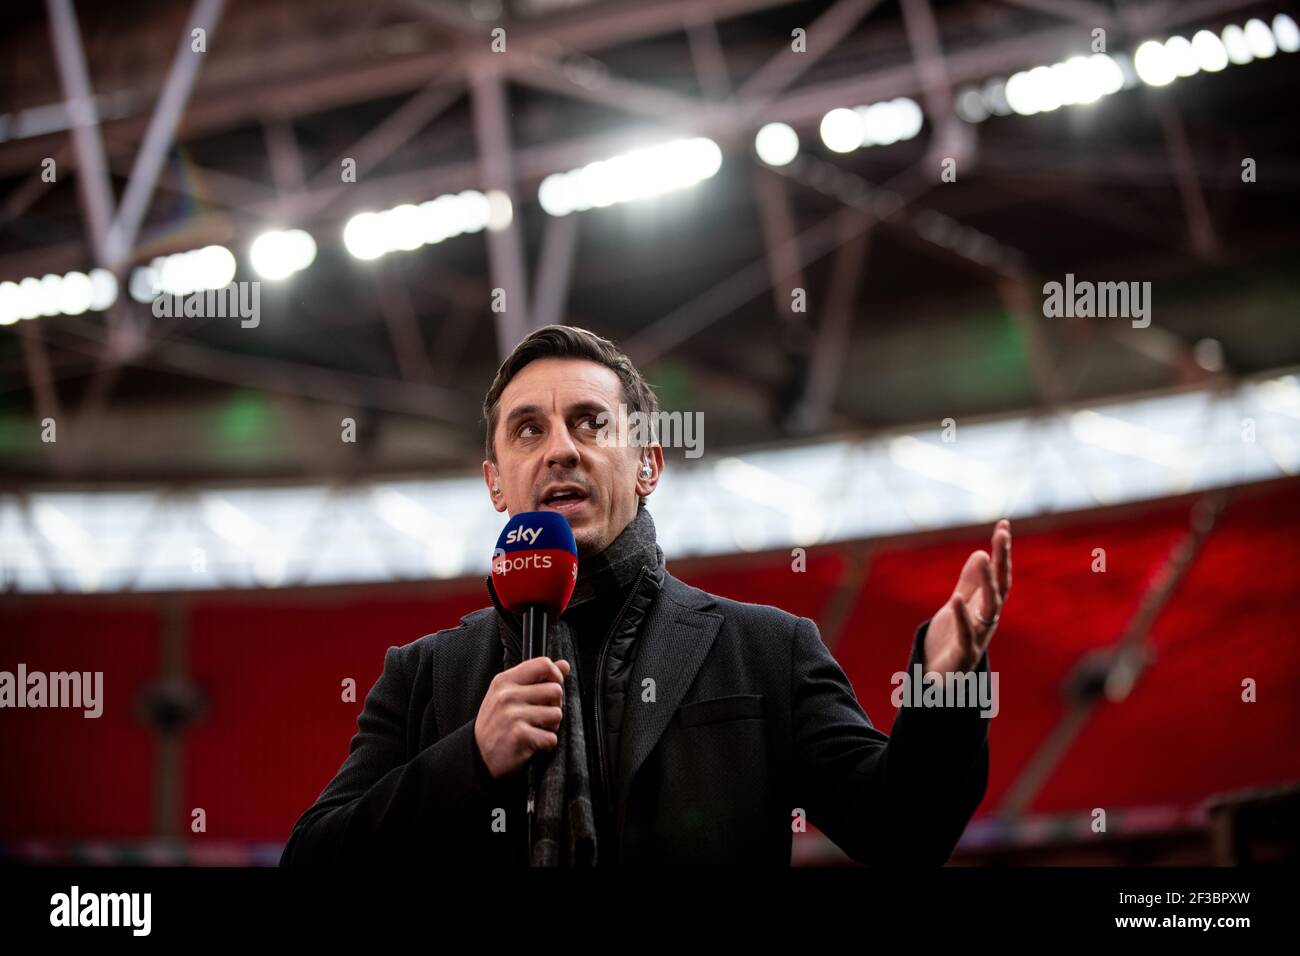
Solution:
(669, 726)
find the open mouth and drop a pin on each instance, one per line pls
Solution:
(565, 500)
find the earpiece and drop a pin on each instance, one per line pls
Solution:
(646, 471)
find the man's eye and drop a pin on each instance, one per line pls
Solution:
(523, 429)
(590, 420)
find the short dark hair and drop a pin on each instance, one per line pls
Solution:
(566, 341)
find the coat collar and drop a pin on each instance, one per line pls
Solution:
(612, 569)
(678, 634)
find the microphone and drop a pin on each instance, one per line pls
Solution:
(534, 569)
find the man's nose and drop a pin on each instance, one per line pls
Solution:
(560, 448)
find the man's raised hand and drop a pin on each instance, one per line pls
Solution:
(962, 629)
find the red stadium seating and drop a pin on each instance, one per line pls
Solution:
(271, 666)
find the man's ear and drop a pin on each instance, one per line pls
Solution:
(493, 481)
(654, 456)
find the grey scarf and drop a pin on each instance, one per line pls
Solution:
(563, 831)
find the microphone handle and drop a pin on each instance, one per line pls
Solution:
(534, 632)
(534, 645)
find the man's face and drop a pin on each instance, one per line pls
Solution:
(548, 457)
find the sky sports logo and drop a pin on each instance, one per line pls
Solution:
(503, 563)
(522, 535)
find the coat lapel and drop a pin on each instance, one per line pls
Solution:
(673, 645)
